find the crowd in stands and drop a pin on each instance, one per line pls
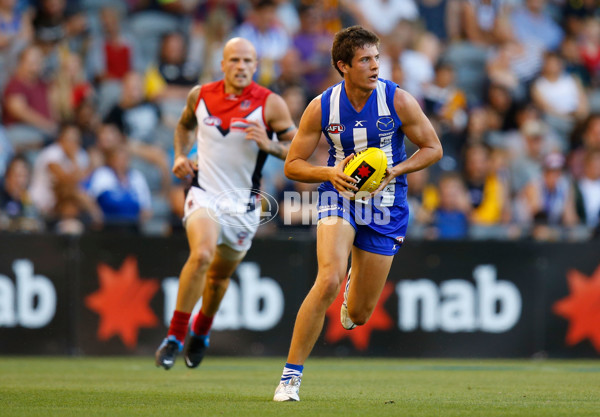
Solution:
(91, 90)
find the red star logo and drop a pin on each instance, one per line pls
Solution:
(581, 308)
(364, 171)
(361, 335)
(122, 301)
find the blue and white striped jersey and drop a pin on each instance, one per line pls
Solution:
(376, 125)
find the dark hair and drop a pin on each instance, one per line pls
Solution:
(13, 162)
(347, 41)
(263, 4)
(66, 125)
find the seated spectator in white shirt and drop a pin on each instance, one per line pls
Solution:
(559, 95)
(58, 169)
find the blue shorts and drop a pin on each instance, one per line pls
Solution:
(378, 229)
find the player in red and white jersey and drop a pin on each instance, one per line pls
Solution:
(235, 120)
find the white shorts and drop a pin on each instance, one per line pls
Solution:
(237, 227)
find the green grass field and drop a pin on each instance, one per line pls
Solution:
(331, 387)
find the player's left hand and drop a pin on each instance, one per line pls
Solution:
(389, 175)
(258, 134)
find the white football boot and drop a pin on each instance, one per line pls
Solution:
(288, 390)
(346, 322)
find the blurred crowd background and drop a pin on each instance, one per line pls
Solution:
(91, 91)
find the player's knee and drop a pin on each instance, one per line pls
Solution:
(201, 257)
(359, 316)
(328, 287)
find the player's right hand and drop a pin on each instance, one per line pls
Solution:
(342, 182)
(182, 167)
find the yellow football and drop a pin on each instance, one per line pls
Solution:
(368, 168)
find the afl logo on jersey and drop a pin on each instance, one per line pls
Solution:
(385, 123)
(335, 128)
(212, 121)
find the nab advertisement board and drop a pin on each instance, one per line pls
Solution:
(103, 294)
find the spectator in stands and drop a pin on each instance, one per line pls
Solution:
(550, 199)
(500, 71)
(17, 212)
(526, 164)
(444, 101)
(585, 137)
(588, 190)
(110, 57)
(56, 20)
(70, 87)
(108, 138)
(27, 113)
(296, 99)
(560, 96)
(532, 24)
(170, 80)
(500, 101)
(441, 17)
(115, 53)
(535, 32)
(140, 122)
(15, 33)
(134, 115)
(479, 21)
(291, 73)
(207, 42)
(487, 193)
(589, 42)
(288, 16)
(382, 16)
(271, 41)
(6, 151)
(423, 198)
(418, 61)
(450, 218)
(59, 169)
(232, 8)
(121, 192)
(313, 43)
(576, 12)
(571, 53)
(88, 121)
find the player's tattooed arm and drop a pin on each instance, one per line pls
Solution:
(184, 134)
(279, 149)
(186, 126)
(278, 117)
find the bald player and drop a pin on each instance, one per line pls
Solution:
(235, 120)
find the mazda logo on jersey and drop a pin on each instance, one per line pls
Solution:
(212, 121)
(335, 128)
(385, 123)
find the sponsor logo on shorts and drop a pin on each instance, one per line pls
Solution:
(241, 237)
